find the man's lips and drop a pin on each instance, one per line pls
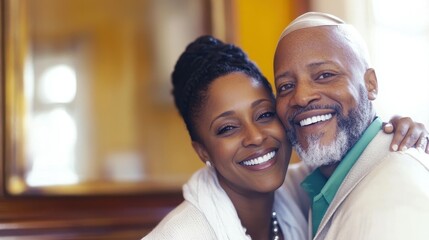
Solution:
(315, 119)
(312, 114)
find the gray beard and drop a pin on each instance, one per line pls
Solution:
(350, 129)
(318, 155)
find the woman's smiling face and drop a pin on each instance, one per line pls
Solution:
(241, 135)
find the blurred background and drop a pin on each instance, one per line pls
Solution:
(87, 114)
(88, 101)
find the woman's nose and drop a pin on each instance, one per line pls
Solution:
(254, 135)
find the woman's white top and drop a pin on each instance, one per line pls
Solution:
(208, 213)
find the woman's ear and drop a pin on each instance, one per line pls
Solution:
(371, 84)
(201, 151)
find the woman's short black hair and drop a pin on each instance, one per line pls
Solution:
(204, 60)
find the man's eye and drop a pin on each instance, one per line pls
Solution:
(324, 75)
(285, 87)
(225, 129)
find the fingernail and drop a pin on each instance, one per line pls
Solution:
(395, 147)
(404, 148)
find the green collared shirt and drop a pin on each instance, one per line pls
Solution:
(322, 190)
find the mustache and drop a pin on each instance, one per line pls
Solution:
(335, 107)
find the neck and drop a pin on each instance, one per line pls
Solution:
(254, 211)
(328, 170)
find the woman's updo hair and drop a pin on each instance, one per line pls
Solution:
(204, 60)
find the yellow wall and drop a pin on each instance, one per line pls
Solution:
(259, 24)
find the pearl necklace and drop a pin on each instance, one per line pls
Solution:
(275, 225)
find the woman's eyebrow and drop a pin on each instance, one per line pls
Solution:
(224, 114)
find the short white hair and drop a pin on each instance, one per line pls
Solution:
(319, 19)
(311, 19)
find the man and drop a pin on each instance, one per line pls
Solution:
(325, 89)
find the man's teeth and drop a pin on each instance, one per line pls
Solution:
(315, 119)
(259, 160)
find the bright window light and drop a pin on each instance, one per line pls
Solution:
(58, 84)
(52, 141)
(401, 57)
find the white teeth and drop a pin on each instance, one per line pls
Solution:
(259, 160)
(315, 119)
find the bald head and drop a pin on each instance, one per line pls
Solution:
(344, 30)
(311, 19)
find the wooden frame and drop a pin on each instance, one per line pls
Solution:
(2, 93)
(19, 42)
(100, 217)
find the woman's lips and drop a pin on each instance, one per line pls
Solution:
(259, 160)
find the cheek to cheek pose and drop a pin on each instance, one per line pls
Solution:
(229, 109)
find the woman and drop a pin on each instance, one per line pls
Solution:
(229, 110)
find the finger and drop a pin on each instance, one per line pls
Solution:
(410, 140)
(425, 144)
(388, 128)
(398, 136)
(422, 142)
(419, 134)
(427, 148)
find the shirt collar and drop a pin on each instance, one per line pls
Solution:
(322, 190)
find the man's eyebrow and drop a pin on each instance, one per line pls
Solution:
(287, 74)
(318, 64)
(282, 75)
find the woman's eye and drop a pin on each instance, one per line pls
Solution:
(225, 129)
(324, 75)
(268, 114)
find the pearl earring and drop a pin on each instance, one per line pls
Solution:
(208, 164)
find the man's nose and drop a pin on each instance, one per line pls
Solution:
(305, 93)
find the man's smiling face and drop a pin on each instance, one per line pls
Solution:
(323, 92)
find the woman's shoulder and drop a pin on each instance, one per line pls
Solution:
(184, 222)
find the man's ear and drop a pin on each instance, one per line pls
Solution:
(371, 84)
(201, 151)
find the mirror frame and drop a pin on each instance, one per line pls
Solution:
(12, 108)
